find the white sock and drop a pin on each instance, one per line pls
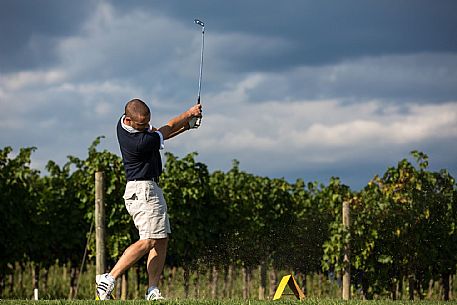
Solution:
(110, 278)
(151, 288)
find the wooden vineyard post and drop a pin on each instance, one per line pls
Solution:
(347, 254)
(100, 260)
(124, 286)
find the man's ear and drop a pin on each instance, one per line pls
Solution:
(127, 120)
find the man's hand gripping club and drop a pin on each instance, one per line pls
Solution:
(194, 122)
(182, 122)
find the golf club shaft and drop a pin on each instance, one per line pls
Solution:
(201, 65)
(200, 23)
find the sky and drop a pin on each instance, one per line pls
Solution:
(294, 89)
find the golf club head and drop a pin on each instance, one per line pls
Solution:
(199, 22)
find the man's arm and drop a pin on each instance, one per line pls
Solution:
(180, 123)
(184, 128)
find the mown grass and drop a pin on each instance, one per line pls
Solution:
(309, 301)
(59, 282)
(320, 290)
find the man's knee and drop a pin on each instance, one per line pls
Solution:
(147, 244)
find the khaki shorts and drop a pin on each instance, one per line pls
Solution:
(145, 203)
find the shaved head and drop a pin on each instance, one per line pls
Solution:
(137, 109)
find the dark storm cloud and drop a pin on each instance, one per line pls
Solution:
(29, 30)
(304, 32)
(322, 32)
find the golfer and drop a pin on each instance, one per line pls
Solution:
(140, 145)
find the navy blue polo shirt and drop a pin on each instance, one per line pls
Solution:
(140, 153)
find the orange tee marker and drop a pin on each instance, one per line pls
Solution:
(289, 280)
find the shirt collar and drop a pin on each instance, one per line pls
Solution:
(130, 129)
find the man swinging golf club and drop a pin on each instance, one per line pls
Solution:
(140, 144)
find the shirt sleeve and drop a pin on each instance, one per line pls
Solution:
(162, 145)
(150, 141)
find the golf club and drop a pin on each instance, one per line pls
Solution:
(200, 23)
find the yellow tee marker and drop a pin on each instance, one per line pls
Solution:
(289, 280)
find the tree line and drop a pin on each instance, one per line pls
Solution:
(403, 226)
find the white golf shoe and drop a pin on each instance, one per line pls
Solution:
(153, 294)
(105, 286)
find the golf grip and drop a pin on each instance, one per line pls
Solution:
(199, 120)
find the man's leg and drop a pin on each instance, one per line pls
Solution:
(105, 282)
(131, 255)
(156, 261)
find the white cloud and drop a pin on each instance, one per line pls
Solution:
(119, 45)
(313, 131)
(25, 79)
